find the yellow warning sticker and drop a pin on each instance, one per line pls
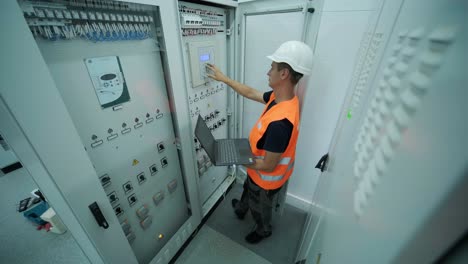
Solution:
(135, 162)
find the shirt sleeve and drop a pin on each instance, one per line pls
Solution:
(277, 136)
(266, 96)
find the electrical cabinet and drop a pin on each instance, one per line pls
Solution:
(112, 83)
(114, 89)
(114, 119)
(397, 168)
(205, 40)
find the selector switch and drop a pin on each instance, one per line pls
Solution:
(132, 200)
(164, 162)
(113, 197)
(153, 169)
(141, 178)
(127, 187)
(118, 210)
(161, 147)
(105, 180)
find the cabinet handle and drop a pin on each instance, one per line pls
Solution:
(100, 219)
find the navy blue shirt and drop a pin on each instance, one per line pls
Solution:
(276, 137)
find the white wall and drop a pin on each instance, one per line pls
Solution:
(342, 25)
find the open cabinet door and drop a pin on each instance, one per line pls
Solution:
(102, 124)
(263, 31)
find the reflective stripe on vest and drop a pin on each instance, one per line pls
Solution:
(272, 178)
(283, 161)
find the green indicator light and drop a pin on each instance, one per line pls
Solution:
(349, 114)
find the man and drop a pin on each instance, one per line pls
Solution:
(273, 138)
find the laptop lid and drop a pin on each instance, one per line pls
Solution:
(242, 153)
(207, 140)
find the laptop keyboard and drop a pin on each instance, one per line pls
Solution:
(230, 152)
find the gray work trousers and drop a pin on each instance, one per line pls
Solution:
(260, 203)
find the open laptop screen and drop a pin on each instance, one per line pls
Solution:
(203, 133)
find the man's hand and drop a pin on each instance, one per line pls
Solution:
(268, 164)
(216, 74)
(240, 88)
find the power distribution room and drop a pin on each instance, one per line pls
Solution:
(233, 131)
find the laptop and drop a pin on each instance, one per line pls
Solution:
(223, 152)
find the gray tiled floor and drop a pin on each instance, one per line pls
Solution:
(211, 247)
(20, 242)
(280, 248)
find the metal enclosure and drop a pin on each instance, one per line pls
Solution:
(104, 114)
(397, 171)
(206, 34)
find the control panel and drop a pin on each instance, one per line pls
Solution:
(201, 53)
(107, 77)
(204, 37)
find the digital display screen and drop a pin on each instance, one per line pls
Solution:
(205, 57)
(107, 77)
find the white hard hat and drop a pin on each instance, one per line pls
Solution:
(295, 53)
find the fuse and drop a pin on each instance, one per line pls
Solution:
(58, 13)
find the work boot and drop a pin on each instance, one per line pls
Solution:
(254, 237)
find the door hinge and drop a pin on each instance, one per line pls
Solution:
(238, 29)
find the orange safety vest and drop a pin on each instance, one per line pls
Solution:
(275, 179)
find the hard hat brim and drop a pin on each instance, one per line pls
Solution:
(296, 68)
